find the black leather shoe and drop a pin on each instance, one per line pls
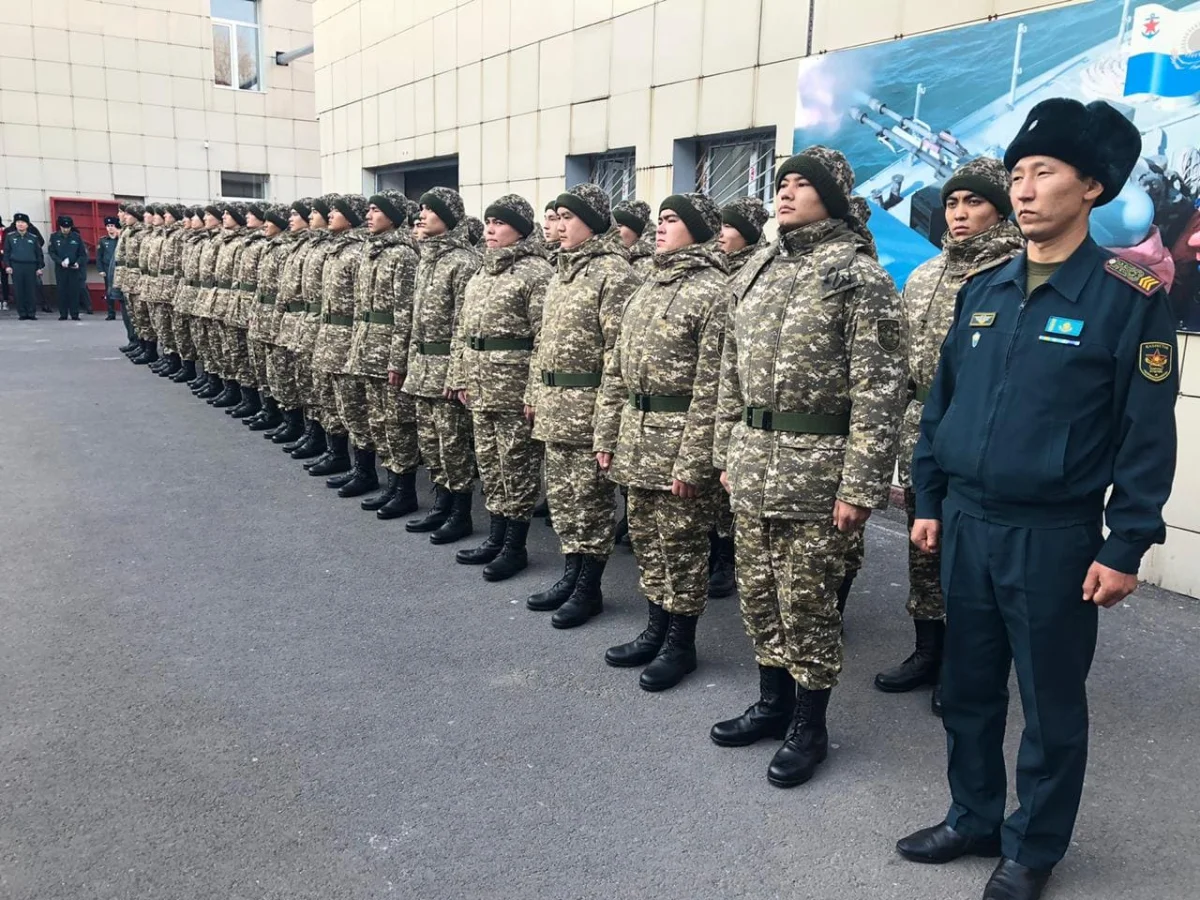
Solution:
(643, 648)
(404, 502)
(923, 666)
(489, 549)
(942, 844)
(770, 717)
(437, 515)
(806, 745)
(380, 500)
(586, 601)
(556, 595)
(513, 556)
(459, 525)
(677, 658)
(1013, 881)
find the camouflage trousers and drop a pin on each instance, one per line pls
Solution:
(162, 320)
(213, 348)
(393, 419)
(258, 363)
(924, 573)
(323, 403)
(856, 551)
(723, 517)
(510, 463)
(670, 540)
(444, 439)
(237, 355)
(788, 574)
(139, 310)
(185, 335)
(350, 392)
(281, 377)
(582, 500)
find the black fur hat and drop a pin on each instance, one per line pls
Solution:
(1096, 139)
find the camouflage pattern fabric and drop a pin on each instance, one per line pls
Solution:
(383, 286)
(669, 346)
(224, 293)
(351, 394)
(291, 282)
(723, 516)
(325, 402)
(856, 551)
(446, 265)
(245, 278)
(444, 441)
(581, 318)
(262, 322)
(210, 252)
(788, 574)
(237, 356)
(331, 347)
(281, 377)
(670, 540)
(924, 573)
(510, 462)
(311, 279)
(738, 258)
(503, 300)
(929, 298)
(392, 416)
(581, 498)
(815, 329)
(144, 287)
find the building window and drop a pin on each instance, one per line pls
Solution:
(738, 165)
(237, 54)
(414, 178)
(243, 186)
(613, 170)
(128, 198)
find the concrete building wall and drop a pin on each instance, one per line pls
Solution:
(103, 99)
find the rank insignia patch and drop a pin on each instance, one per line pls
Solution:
(983, 319)
(887, 334)
(1154, 360)
(1141, 280)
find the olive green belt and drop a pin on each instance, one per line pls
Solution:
(225, 285)
(570, 379)
(660, 402)
(248, 287)
(192, 282)
(378, 318)
(797, 423)
(922, 394)
(433, 348)
(296, 306)
(478, 342)
(209, 282)
(267, 297)
(331, 319)
(313, 307)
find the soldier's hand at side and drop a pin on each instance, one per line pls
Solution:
(1107, 587)
(604, 461)
(66, 263)
(725, 482)
(529, 414)
(395, 379)
(926, 535)
(40, 272)
(450, 393)
(683, 490)
(848, 517)
(464, 398)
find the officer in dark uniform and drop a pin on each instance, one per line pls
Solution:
(106, 258)
(23, 260)
(1056, 382)
(69, 255)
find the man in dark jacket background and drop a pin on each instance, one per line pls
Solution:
(106, 258)
(23, 260)
(69, 255)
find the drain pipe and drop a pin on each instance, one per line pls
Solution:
(283, 58)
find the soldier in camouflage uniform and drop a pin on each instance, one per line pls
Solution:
(443, 424)
(130, 215)
(654, 432)
(146, 283)
(237, 315)
(283, 374)
(210, 383)
(342, 396)
(224, 294)
(194, 236)
(810, 402)
(497, 331)
(550, 232)
(384, 285)
(637, 234)
(978, 235)
(175, 231)
(319, 449)
(581, 317)
(474, 230)
(262, 320)
(152, 281)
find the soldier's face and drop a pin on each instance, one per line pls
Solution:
(671, 233)
(628, 235)
(731, 240)
(797, 203)
(211, 221)
(338, 221)
(168, 219)
(316, 220)
(417, 231)
(968, 214)
(253, 221)
(229, 221)
(550, 227)
(377, 220)
(297, 222)
(1050, 198)
(148, 218)
(499, 234)
(571, 229)
(270, 229)
(112, 230)
(22, 226)
(431, 222)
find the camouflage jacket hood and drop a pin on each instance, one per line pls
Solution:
(814, 329)
(669, 346)
(383, 295)
(738, 258)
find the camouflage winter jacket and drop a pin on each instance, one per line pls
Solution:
(210, 251)
(641, 254)
(503, 307)
(447, 263)
(383, 297)
(264, 323)
(189, 271)
(229, 249)
(812, 379)
(311, 278)
(129, 275)
(170, 265)
(331, 349)
(289, 301)
(581, 317)
(245, 278)
(928, 307)
(668, 354)
(149, 258)
(738, 258)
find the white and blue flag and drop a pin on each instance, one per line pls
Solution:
(1164, 53)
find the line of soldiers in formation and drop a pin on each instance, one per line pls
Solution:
(709, 373)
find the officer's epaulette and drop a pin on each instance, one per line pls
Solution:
(1141, 280)
(984, 267)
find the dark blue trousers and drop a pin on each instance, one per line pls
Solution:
(1014, 596)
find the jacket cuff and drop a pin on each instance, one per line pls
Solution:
(928, 506)
(1119, 554)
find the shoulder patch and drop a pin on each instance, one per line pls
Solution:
(1154, 360)
(1141, 280)
(987, 266)
(888, 334)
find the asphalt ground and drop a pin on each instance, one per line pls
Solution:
(218, 680)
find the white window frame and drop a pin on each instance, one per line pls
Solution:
(758, 182)
(233, 25)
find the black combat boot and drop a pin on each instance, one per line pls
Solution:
(173, 367)
(314, 445)
(148, 355)
(586, 600)
(437, 515)
(186, 373)
(404, 502)
(677, 658)
(231, 397)
(643, 648)
(267, 418)
(806, 745)
(365, 479)
(489, 549)
(768, 718)
(373, 504)
(459, 525)
(129, 347)
(556, 595)
(198, 382)
(251, 404)
(159, 364)
(721, 581)
(336, 459)
(214, 388)
(296, 425)
(923, 666)
(513, 556)
(341, 479)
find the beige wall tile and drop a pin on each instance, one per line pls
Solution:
(90, 114)
(784, 31)
(253, 129)
(672, 116)
(162, 182)
(60, 177)
(93, 146)
(22, 170)
(523, 146)
(588, 12)
(188, 93)
(129, 180)
(589, 69)
(678, 40)
(370, 121)
(16, 75)
(324, 89)
(56, 112)
(19, 107)
(424, 106)
(730, 38)
(589, 127)
(629, 119)
(873, 20)
(469, 32)
(921, 17)
(95, 179)
(470, 94)
(223, 156)
(495, 87)
(20, 140)
(252, 158)
(472, 195)
(86, 49)
(536, 20)
(496, 21)
(423, 146)
(89, 82)
(775, 97)
(154, 57)
(1176, 564)
(154, 90)
(554, 140)
(523, 80)
(494, 149)
(354, 126)
(49, 45)
(445, 42)
(18, 42)
(58, 143)
(281, 133)
(470, 158)
(53, 78)
(119, 53)
(307, 137)
(20, 13)
(1189, 364)
(195, 186)
(445, 100)
(190, 154)
(445, 143)
(620, 7)
(726, 102)
(1182, 510)
(406, 121)
(126, 149)
(420, 42)
(632, 51)
(556, 64)
(159, 151)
